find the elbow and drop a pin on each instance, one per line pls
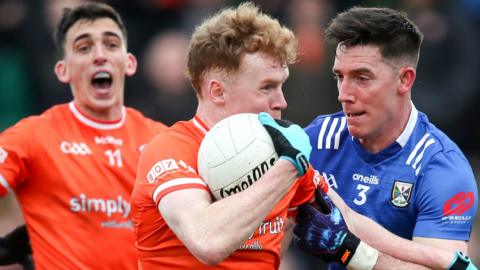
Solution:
(207, 252)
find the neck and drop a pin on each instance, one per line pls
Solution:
(107, 114)
(388, 134)
(209, 114)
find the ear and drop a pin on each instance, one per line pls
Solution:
(216, 92)
(62, 72)
(407, 78)
(131, 65)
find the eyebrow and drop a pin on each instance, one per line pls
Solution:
(87, 35)
(358, 70)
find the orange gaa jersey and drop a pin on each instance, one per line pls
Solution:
(168, 164)
(73, 177)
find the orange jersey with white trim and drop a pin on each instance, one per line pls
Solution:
(73, 177)
(168, 164)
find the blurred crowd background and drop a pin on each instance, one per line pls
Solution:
(447, 87)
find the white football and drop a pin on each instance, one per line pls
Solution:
(234, 154)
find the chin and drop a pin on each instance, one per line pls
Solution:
(355, 131)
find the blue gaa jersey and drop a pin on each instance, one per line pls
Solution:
(420, 186)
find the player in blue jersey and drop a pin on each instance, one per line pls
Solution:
(380, 154)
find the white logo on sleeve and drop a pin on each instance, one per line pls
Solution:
(3, 155)
(160, 168)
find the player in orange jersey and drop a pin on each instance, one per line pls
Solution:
(73, 167)
(237, 62)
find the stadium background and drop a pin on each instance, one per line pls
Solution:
(447, 87)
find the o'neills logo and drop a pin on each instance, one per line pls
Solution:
(248, 180)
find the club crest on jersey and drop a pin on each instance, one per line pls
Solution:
(401, 193)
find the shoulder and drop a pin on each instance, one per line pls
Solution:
(327, 130)
(45, 120)
(324, 119)
(179, 136)
(433, 150)
(429, 136)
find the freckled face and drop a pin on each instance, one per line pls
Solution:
(257, 86)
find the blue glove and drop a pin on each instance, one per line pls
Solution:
(321, 231)
(290, 141)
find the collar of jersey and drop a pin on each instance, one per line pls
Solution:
(412, 120)
(200, 124)
(93, 122)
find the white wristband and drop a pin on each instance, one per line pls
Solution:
(365, 258)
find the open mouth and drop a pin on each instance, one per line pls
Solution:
(350, 115)
(102, 80)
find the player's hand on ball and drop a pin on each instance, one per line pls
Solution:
(290, 141)
(321, 231)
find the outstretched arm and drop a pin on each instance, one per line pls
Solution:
(322, 231)
(384, 241)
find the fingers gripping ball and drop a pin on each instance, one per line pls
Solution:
(290, 140)
(234, 154)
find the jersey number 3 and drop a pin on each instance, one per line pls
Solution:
(362, 194)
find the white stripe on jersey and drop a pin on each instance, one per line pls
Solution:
(415, 150)
(322, 132)
(337, 135)
(331, 133)
(199, 126)
(418, 170)
(424, 144)
(176, 182)
(420, 156)
(93, 123)
(4, 183)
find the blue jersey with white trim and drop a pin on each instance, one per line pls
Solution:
(420, 186)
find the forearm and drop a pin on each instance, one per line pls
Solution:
(388, 243)
(212, 231)
(385, 261)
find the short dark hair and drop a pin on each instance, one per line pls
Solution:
(90, 11)
(389, 29)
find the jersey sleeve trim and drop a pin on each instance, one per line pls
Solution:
(5, 185)
(176, 184)
(292, 212)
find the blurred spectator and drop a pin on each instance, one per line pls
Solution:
(166, 93)
(16, 95)
(198, 10)
(310, 90)
(447, 78)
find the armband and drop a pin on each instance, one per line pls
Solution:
(461, 262)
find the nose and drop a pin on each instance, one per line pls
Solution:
(345, 93)
(100, 57)
(279, 102)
